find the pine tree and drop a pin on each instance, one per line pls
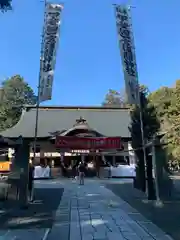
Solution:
(5, 5)
(150, 125)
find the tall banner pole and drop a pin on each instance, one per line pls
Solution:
(49, 44)
(128, 57)
(38, 96)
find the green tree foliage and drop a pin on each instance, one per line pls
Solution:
(14, 94)
(5, 5)
(150, 121)
(167, 103)
(151, 126)
(162, 101)
(114, 99)
(173, 132)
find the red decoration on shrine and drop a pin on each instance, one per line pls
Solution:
(88, 143)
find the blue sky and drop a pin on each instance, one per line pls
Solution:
(88, 59)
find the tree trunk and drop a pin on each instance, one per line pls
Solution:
(140, 172)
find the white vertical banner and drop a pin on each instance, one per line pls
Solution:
(127, 51)
(49, 49)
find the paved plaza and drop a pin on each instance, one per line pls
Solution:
(90, 212)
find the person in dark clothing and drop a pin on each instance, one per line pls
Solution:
(81, 169)
(74, 172)
(31, 183)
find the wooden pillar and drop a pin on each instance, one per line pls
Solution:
(97, 165)
(63, 170)
(114, 160)
(163, 182)
(82, 158)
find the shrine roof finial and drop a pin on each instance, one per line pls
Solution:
(81, 120)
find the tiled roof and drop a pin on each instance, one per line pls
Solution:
(107, 121)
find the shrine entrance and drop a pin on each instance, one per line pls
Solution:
(83, 144)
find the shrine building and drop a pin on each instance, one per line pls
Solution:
(73, 122)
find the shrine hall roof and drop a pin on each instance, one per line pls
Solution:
(107, 121)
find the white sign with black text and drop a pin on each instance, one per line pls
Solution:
(127, 51)
(49, 49)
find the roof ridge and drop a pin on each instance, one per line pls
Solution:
(76, 107)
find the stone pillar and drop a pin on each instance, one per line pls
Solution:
(24, 168)
(20, 171)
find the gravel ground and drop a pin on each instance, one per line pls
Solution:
(166, 217)
(38, 215)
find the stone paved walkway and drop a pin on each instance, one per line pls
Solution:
(92, 212)
(97, 214)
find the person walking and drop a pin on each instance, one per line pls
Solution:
(74, 172)
(81, 170)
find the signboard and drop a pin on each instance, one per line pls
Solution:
(85, 143)
(49, 49)
(127, 51)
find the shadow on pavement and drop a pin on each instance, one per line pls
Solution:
(166, 217)
(38, 215)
